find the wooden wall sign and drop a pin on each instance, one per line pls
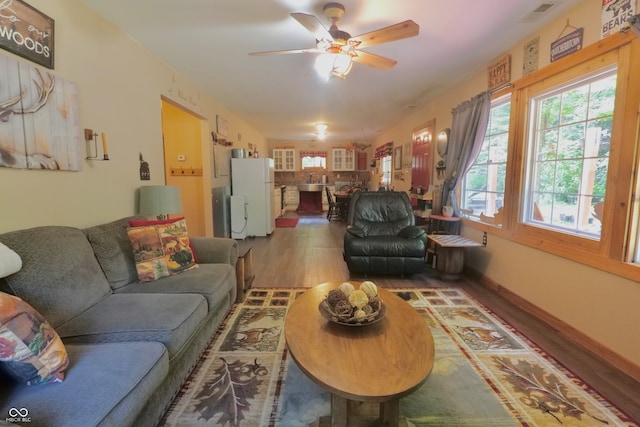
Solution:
(27, 32)
(500, 73)
(566, 45)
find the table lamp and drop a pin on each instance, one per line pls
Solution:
(159, 200)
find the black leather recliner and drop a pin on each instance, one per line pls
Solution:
(381, 236)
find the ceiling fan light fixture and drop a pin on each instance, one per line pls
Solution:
(337, 64)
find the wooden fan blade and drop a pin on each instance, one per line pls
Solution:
(314, 26)
(391, 33)
(376, 61)
(284, 52)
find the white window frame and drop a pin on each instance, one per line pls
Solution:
(532, 213)
(385, 170)
(490, 192)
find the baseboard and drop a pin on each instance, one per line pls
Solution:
(607, 355)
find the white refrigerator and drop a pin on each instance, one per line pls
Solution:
(254, 179)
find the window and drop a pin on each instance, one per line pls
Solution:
(313, 159)
(568, 157)
(386, 171)
(572, 179)
(314, 162)
(483, 186)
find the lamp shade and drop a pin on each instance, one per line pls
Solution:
(159, 200)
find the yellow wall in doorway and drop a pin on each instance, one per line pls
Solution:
(182, 140)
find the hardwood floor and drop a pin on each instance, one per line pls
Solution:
(311, 253)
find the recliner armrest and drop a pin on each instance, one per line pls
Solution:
(412, 232)
(356, 231)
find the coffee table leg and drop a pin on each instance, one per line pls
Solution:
(338, 411)
(390, 412)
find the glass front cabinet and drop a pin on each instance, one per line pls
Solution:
(284, 159)
(343, 159)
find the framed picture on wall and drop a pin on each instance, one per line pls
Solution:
(222, 126)
(397, 158)
(28, 32)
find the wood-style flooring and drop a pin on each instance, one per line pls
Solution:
(311, 253)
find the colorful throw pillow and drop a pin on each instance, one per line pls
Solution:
(161, 250)
(142, 222)
(30, 349)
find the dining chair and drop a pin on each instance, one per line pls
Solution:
(333, 212)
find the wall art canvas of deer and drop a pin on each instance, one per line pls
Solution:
(39, 126)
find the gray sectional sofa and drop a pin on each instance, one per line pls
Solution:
(130, 345)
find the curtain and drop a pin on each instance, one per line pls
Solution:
(313, 154)
(384, 150)
(468, 128)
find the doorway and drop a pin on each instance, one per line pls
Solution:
(183, 164)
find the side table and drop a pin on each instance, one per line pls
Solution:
(244, 272)
(449, 224)
(450, 254)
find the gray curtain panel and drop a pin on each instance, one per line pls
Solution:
(468, 128)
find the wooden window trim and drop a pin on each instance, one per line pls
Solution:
(613, 252)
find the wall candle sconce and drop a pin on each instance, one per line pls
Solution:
(90, 135)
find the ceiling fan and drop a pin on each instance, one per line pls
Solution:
(341, 48)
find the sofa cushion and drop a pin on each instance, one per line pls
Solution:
(30, 349)
(161, 250)
(384, 246)
(169, 319)
(106, 385)
(213, 281)
(113, 251)
(60, 275)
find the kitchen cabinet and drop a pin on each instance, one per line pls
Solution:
(343, 159)
(277, 202)
(292, 197)
(284, 159)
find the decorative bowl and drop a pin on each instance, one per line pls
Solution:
(371, 318)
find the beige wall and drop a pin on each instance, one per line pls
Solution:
(598, 304)
(120, 86)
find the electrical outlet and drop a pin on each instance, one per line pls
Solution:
(181, 157)
(484, 238)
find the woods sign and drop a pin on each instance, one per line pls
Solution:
(26, 31)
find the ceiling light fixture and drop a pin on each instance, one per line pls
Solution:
(321, 130)
(333, 64)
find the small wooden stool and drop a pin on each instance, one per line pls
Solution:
(244, 272)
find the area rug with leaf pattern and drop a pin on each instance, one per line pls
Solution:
(485, 373)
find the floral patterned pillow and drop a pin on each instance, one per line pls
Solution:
(30, 349)
(161, 250)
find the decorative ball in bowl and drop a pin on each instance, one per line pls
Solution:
(347, 305)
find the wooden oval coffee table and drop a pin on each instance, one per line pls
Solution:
(375, 363)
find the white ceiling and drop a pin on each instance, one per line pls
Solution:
(208, 41)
